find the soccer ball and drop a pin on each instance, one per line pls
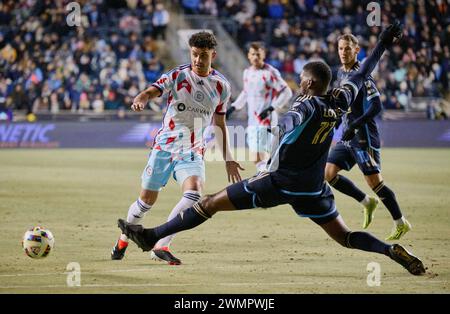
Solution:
(38, 242)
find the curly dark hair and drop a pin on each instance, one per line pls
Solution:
(203, 40)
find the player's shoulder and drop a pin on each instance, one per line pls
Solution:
(174, 71)
(220, 78)
(303, 104)
(271, 68)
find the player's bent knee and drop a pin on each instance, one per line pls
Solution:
(331, 172)
(208, 204)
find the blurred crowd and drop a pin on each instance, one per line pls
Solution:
(297, 31)
(100, 64)
(46, 64)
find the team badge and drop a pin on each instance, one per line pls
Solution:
(198, 96)
(149, 170)
(181, 107)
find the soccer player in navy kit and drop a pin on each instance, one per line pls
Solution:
(360, 145)
(297, 177)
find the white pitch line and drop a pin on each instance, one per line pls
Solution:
(182, 285)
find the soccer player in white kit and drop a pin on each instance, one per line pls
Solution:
(197, 96)
(266, 94)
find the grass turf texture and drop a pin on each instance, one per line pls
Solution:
(79, 194)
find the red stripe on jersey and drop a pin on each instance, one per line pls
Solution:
(170, 140)
(219, 108)
(171, 124)
(192, 138)
(157, 147)
(184, 84)
(219, 88)
(175, 75)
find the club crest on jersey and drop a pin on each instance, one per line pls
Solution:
(199, 96)
(149, 170)
(181, 107)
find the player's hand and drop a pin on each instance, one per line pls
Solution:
(349, 134)
(139, 102)
(233, 171)
(265, 112)
(391, 33)
(229, 112)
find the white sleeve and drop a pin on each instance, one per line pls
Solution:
(281, 103)
(240, 102)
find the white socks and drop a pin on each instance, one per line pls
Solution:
(189, 198)
(136, 212)
(400, 221)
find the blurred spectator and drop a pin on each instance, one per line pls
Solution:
(47, 65)
(160, 20)
(420, 65)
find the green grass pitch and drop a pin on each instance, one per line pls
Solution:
(80, 194)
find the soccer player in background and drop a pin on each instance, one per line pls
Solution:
(266, 94)
(360, 144)
(297, 167)
(197, 96)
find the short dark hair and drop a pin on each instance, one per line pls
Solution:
(349, 37)
(321, 73)
(257, 45)
(203, 40)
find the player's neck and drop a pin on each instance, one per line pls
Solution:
(203, 74)
(347, 67)
(258, 66)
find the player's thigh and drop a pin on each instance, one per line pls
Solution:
(157, 171)
(368, 161)
(190, 172)
(320, 209)
(258, 191)
(213, 203)
(341, 156)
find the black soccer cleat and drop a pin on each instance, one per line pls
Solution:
(412, 263)
(164, 255)
(136, 234)
(118, 253)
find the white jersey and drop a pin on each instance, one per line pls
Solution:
(192, 101)
(263, 88)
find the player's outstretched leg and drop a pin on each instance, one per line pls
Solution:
(136, 213)
(187, 219)
(364, 241)
(137, 234)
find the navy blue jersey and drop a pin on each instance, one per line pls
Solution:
(305, 134)
(363, 111)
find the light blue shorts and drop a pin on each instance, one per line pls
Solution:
(160, 166)
(258, 139)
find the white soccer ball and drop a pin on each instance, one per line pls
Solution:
(38, 242)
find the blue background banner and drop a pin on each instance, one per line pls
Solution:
(128, 134)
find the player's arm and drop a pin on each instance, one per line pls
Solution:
(348, 92)
(141, 100)
(232, 166)
(238, 104)
(374, 108)
(281, 102)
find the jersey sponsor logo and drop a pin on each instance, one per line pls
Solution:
(182, 107)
